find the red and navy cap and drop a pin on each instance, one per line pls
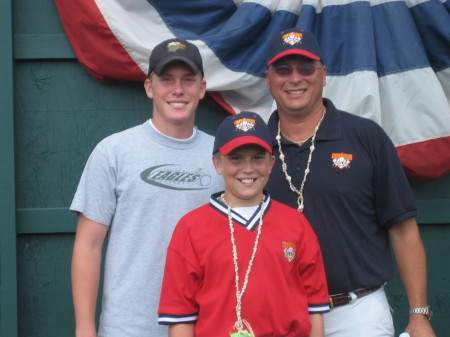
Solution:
(241, 129)
(293, 41)
(175, 50)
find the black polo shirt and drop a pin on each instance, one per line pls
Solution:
(356, 190)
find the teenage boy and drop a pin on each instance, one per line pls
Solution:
(136, 186)
(243, 265)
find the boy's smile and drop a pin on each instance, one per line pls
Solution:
(245, 171)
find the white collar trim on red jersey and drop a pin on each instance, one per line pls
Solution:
(251, 223)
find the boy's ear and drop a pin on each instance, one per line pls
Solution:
(272, 162)
(148, 88)
(217, 164)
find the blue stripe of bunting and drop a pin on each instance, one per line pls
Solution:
(386, 38)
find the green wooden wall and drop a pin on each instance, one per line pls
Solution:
(53, 113)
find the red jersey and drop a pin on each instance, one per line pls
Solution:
(286, 283)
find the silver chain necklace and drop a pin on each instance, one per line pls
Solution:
(300, 204)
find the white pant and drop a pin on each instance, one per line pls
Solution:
(369, 316)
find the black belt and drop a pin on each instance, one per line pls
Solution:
(343, 299)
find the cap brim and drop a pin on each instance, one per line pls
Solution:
(294, 52)
(158, 69)
(244, 140)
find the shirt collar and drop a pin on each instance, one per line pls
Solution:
(252, 222)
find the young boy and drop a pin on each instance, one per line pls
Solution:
(243, 265)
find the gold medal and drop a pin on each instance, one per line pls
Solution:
(241, 334)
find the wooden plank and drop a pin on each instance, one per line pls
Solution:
(42, 46)
(44, 298)
(433, 211)
(62, 220)
(8, 259)
(45, 220)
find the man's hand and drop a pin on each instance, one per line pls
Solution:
(419, 326)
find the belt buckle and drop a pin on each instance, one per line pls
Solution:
(349, 298)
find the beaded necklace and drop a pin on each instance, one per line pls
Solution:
(299, 143)
(300, 204)
(239, 325)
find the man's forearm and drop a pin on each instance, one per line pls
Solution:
(411, 261)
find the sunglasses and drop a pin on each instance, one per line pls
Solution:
(304, 70)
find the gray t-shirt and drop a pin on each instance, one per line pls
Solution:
(140, 183)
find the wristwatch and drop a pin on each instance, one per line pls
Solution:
(422, 311)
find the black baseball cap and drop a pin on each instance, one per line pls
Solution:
(293, 41)
(241, 129)
(175, 50)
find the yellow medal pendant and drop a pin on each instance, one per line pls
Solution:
(241, 334)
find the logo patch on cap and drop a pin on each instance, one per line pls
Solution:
(174, 46)
(245, 124)
(341, 160)
(292, 38)
(289, 250)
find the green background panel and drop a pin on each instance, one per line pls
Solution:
(53, 114)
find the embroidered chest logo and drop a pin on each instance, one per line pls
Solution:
(245, 124)
(341, 160)
(289, 250)
(292, 38)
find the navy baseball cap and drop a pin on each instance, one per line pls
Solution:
(293, 41)
(241, 129)
(175, 50)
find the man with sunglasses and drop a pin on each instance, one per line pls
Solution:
(343, 173)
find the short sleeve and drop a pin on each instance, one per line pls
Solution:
(182, 279)
(394, 200)
(95, 196)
